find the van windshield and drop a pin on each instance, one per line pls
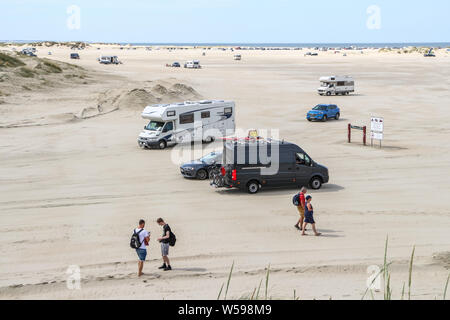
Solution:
(154, 126)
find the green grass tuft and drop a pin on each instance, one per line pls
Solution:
(8, 61)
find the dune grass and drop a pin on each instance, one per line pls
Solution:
(49, 67)
(25, 72)
(9, 61)
(385, 272)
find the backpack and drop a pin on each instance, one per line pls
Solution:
(172, 239)
(296, 200)
(135, 243)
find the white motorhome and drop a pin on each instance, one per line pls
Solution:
(109, 60)
(336, 85)
(195, 64)
(186, 122)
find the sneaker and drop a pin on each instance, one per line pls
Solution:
(163, 266)
(168, 268)
(297, 227)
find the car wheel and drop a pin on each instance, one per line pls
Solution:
(316, 183)
(253, 187)
(325, 118)
(202, 174)
(328, 93)
(338, 115)
(162, 144)
(309, 120)
(142, 145)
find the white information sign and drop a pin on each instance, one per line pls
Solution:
(377, 124)
(377, 136)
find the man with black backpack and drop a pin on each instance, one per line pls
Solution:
(300, 202)
(167, 240)
(139, 241)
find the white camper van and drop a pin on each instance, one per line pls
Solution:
(186, 122)
(336, 85)
(109, 60)
(195, 64)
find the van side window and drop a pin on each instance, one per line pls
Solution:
(303, 159)
(228, 111)
(186, 118)
(206, 114)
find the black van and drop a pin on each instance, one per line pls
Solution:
(252, 164)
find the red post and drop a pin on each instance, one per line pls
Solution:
(365, 135)
(349, 133)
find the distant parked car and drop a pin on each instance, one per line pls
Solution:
(176, 65)
(199, 169)
(74, 56)
(323, 112)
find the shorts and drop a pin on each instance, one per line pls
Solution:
(164, 249)
(142, 254)
(301, 211)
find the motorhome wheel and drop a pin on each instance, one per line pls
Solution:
(162, 144)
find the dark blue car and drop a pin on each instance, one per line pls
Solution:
(199, 169)
(323, 112)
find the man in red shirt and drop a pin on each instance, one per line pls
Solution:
(301, 208)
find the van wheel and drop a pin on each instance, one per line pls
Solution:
(338, 115)
(162, 144)
(202, 175)
(316, 183)
(253, 187)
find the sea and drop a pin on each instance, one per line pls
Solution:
(268, 45)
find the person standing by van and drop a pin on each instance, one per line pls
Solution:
(165, 244)
(309, 217)
(139, 241)
(301, 208)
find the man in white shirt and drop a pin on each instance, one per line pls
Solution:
(144, 238)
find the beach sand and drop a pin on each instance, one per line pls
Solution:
(73, 187)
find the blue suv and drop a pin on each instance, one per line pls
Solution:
(323, 112)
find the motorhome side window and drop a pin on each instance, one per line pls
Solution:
(168, 127)
(341, 84)
(206, 114)
(187, 118)
(228, 110)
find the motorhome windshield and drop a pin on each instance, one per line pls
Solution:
(326, 84)
(154, 126)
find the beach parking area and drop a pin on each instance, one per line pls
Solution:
(72, 187)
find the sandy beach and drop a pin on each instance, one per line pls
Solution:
(74, 183)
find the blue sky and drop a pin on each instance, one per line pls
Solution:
(227, 21)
